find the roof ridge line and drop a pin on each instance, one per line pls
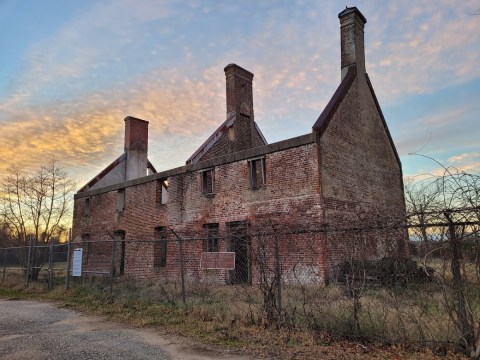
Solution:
(326, 116)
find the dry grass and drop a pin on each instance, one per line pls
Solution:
(315, 319)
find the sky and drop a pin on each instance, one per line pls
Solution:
(71, 71)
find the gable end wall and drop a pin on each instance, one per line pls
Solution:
(242, 135)
(361, 178)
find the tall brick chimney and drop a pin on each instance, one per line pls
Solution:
(240, 105)
(136, 147)
(352, 24)
(239, 90)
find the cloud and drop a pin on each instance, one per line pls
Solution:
(437, 129)
(70, 99)
(92, 133)
(468, 162)
(29, 142)
(438, 171)
(64, 104)
(463, 157)
(84, 49)
(424, 48)
(429, 167)
(119, 58)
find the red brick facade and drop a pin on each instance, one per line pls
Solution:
(346, 170)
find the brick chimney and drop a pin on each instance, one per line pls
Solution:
(239, 90)
(136, 147)
(240, 106)
(352, 24)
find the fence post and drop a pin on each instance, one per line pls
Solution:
(27, 275)
(4, 263)
(112, 266)
(67, 279)
(50, 266)
(278, 274)
(182, 269)
(458, 280)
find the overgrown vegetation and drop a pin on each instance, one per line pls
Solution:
(233, 315)
(444, 214)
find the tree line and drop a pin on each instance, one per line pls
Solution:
(35, 209)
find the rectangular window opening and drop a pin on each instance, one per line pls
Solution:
(160, 247)
(208, 181)
(212, 235)
(161, 192)
(256, 169)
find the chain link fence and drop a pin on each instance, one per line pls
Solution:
(361, 286)
(44, 263)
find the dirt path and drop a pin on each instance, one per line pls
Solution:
(36, 331)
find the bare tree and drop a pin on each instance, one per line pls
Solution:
(5, 239)
(454, 197)
(35, 208)
(422, 197)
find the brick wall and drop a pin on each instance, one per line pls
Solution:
(361, 178)
(291, 196)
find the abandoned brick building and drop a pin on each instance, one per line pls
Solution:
(347, 164)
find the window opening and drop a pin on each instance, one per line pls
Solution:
(211, 243)
(161, 192)
(257, 172)
(208, 181)
(160, 247)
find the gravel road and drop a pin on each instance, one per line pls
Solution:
(36, 331)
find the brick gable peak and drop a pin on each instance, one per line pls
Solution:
(239, 131)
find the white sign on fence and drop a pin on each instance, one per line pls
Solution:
(77, 262)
